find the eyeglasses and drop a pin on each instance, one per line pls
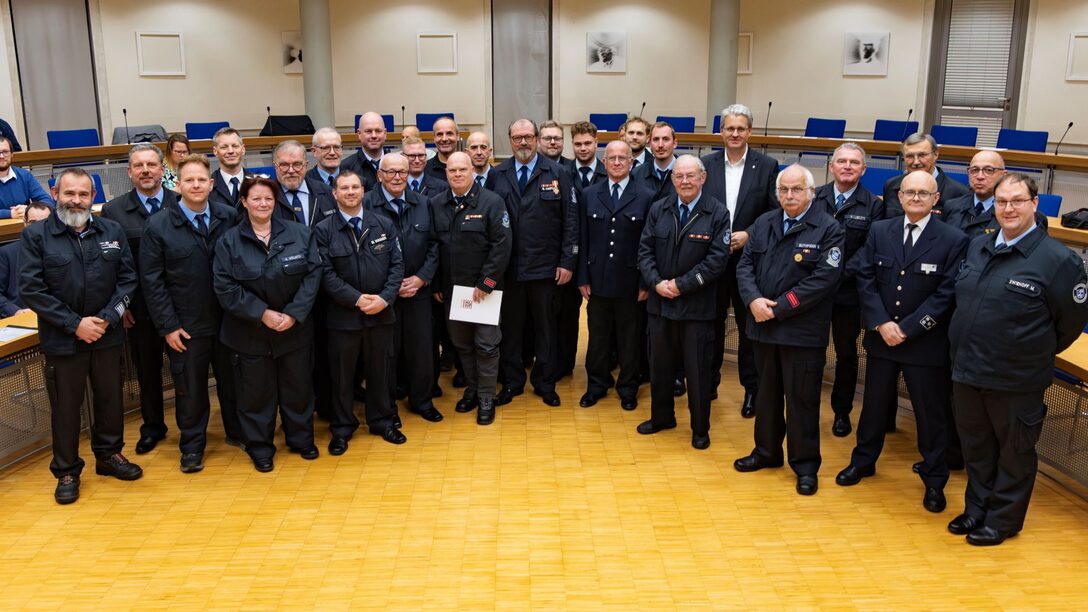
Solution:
(917, 156)
(529, 138)
(734, 130)
(415, 155)
(792, 190)
(552, 138)
(987, 170)
(327, 148)
(842, 161)
(912, 194)
(291, 166)
(617, 159)
(394, 172)
(690, 176)
(1011, 203)
(5, 153)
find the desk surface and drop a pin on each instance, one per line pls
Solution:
(28, 319)
(1075, 358)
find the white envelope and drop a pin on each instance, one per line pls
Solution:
(462, 308)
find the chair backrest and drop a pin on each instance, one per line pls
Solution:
(1022, 140)
(204, 131)
(894, 131)
(959, 177)
(99, 191)
(609, 122)
(1050, 204)
(388, 119)
(874, 178)
(716, 127)
(70, 139)
(425, 121)
(685, 125)
(954, 135)
(825, 128)
(269, 170)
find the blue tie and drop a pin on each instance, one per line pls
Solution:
(398, 205)
(979, 209)
(616, 195)
(839, 201)
(523, 178)
(790, 222)
(585, 176)
(684, 212)
(153, 204)
(480, 181)
(661, 174)
(415, 185)
(234, 188)
(357, 225)
(296, 205)
(201, 225)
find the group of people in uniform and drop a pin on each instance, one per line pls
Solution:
(296, 288)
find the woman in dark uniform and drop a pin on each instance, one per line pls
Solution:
(267, 274)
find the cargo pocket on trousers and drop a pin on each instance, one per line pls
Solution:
(50, 374)
(1028, 429)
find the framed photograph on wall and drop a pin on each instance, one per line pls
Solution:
(436, 52)
(745, 42)
(606, 52)
(1076, 67)
(292, 52)
(160, 53)
(865, 53)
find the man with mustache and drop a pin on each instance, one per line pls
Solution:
(920, 153)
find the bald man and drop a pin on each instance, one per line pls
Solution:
(446, 137)
(478, 147)
(371, 133)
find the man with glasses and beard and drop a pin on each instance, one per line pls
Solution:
(78, 277)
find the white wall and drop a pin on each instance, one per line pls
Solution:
(1047, 100)
(797, 61)
(668, 44)
(11, 108)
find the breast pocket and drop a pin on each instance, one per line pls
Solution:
(806, 258)
(111, 255)
(473, 225)
(240, 271)
(380, 248)
(292, 268)
(926, 277)
(885, 272)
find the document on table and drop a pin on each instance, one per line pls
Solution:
(486, 311)
(7, 334)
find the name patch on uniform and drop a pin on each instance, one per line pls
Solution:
(1080, 293)
(802, 245)
(379, 239)
(928, 322)
(552, 186)
(471, 217)
(928, 268)
(296, 257)
(791, 297)
(109, 244)
(1023, 285)
(834, 256)
(856, 217)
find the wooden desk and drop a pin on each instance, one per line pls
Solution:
(28, 319)
(1075, 358)
(1068, 235)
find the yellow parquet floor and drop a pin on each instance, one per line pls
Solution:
(549, 508)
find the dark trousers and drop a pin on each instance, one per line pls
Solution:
(374, 346)
(845, 327)
(412, 346)
(65, 382)
(729, 295)
(537, 299)
(930, 396)
(998, 430)
(322, 378)
(613, 322)
(441, 340)
(192, 405)
(570, 312)
(478, 347)
(673, 343)
(264, 382)
(146, 348)
(225, 390)
(788, 404)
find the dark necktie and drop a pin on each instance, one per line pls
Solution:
(635, 163)
(296, 205)
(415, 185)
(374, 164)
(234, 187)
(789, 223)
(332, 181)
(357, 225)
(398, 205)
(908, 244)
(585, 176)
(523, 178)
(459, 201)
(480, 181)
(153, 204)
(684, 212)
(616, 196)
(839, 201)
(979, 209)
(1001, 248)
(201, 225)
(661, 174)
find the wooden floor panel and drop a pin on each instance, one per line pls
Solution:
(548, 508)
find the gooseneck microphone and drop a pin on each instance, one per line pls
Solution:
(1062, 139)
(271, 128)
(906, 125)
(128, 135)
(642, 110)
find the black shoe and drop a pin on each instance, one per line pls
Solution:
(338, 446)
(437, 391)
(807, 485)
(507, 395)
(841, 427)
(988, 536)
(678, 387)
(117, 466)
(964, 524)
(754, 462)
(748, 408)
(550, 398)
(430, 414)
(934, 500)
(309, 454)
(396, 421)
(486, 414)
(263, 465)
(917, 467)
(700, 442)
(146, 444)
(459, 381)
(628, 403)
(67, 489)
(393, 435)
(466, 404)
(648, 427)
(589, 399)
(851, 475)
(192, 463)
(359, 394)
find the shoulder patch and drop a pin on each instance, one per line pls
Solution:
(1080, 293)
(506, 219)
(834, 256)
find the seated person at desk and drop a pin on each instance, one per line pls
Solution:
(10, 304)
(17, 186)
